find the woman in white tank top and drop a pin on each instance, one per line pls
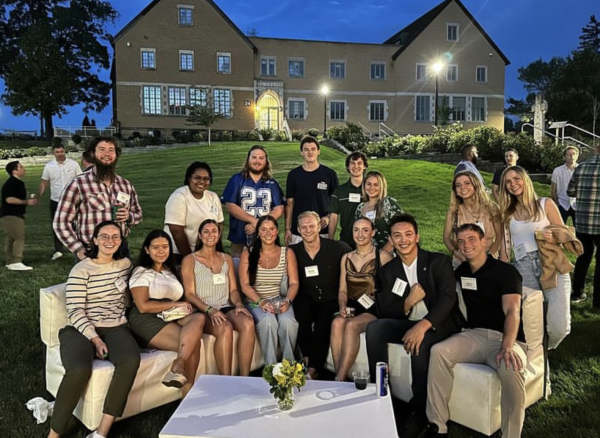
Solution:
(523, 213)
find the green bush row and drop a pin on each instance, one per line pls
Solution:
(6, 154)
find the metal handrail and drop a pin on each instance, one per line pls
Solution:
(365, 130)
(382, 130)
(563, 138)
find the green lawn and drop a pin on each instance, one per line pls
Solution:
(422, 189)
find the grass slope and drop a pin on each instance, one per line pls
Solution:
(422, 189)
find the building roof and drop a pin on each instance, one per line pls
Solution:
(406, 36)
(210, 2)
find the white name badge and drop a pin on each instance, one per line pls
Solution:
(219, 279)
(366, 301)
(468, 283)
(370, 215)
(322, 186)
(312, 271)
(123, 198)
(520, 251)
(354, 197)
(121, 284)
(399, 287)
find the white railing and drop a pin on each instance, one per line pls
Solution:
(366, 131)
(84, 131)
(385, 131)
(287, 130)
(562, 137)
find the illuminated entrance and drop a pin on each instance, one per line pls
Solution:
(268, 112)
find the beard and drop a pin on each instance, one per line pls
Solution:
(474, 161)
(256, 171)
(106, 171)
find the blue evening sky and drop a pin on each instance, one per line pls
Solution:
(525, 30)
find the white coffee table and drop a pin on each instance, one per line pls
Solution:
(242, 407)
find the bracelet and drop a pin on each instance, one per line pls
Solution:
(208, 309)
(257, 302)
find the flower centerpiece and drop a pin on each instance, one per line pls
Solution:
(283, 378)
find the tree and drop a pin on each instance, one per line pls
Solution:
(51, 52)
(590, 35)
(204, 115)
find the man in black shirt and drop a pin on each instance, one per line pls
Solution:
(319, 262)
(12, 215)
(492, 291)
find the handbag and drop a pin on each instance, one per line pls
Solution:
(283, 288)
(173, 314)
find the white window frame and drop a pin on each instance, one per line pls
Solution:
(485, 110)
(342, 62)
(223, 55)
(425, 76)
(228, 103)
(452, 110)
(187, 8)
(203, 100)
(186, 53)
(448, 27)
(148, 50)
(338, 101)
(303, 61)
(289, 107)
(385, 110)
(483, 68)
(154, 100)
(429, 109)
(451, 68)
(268, 58)
(380, 64)
(177, 106)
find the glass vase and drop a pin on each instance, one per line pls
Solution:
(287, 402)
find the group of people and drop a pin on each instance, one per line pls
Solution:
(316, 293)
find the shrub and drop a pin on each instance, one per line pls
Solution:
(198, 137)
(253, 135)
(551, 156)
(226, 136)
(297, 134)
(489, 142)
(350, 135)
(523, 143)
(56, 141)
(313, 132)
(266, 133)
(76, 138)
(140, 142)
(35, 152)
(281, 136)
(135, 134)
(71, 149)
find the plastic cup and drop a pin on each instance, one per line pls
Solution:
(361, 379)
(350, 312)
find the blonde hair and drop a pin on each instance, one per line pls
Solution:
(382, 190)
(312, 214)
(481, 198)
(529, 199)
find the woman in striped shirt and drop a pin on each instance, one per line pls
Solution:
(262, 270)
(210, 285)
(96, 297)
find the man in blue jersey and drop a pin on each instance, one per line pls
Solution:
(248, 196)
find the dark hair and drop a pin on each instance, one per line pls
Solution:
(364, 218)
(92, 250)
(309, 139)
(355, 156)
(471, 227)
(11, 167)
(199, 243)
(513, 150)
(257, 247)
(88, 156)
(466, 150)
(267, 173)
(57, 146)
(404, 217)
(97, 140)
(195, 166)
(144, 259)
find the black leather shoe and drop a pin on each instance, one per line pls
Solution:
(433, 431)
(414, 425)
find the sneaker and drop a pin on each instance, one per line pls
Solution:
(94, 434)
(578, 297)
(433, 431)
(414, 425)
(18, 267)
(56, 255)
(174, 380)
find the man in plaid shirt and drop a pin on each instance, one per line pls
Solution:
(95, 196)
(585, 186)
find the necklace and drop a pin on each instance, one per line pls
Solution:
(475, 217)
(362, 256)
(210, 261)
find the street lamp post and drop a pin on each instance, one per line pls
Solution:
(324, 90)
(437, 68)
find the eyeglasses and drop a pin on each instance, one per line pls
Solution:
(107, 237)
(205, 179)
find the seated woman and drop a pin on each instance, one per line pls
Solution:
(357, 291)
(210, 285)
(155, 287)
(95, 294)
(262, 270)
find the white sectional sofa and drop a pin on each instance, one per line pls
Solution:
(147, 393)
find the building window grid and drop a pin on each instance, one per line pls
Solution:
(337, 69)
(452, 73)
(377, 111)
(423, 109)
(478, 109)
(452, 31)
(177, 101)
(268, 66)
(337, 110)
(377, 71)
(481, 73)
(186, 61)
(421, 72)
(458, 109)
(296, 68)
(296, 109)
(198, 96)
(224, 63)
(222, 99)
(151, 100)
(185, 16)
(148, 59)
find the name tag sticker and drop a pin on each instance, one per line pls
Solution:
(370, 215)
(468, 283)
(366, 301)
(520, 251)
(354, 197)
(219, 279)
(322, 185)
(312, 271)
(123, 198)
(399, 287)
(121, 284)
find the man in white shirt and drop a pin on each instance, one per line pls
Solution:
(57, 174)
(560, 181)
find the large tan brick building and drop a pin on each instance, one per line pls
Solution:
(177, 53)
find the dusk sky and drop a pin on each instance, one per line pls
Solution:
(525, 30)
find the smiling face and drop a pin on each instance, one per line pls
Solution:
(158, 250)
(362, 232)
(257, 161)
(511, 158)
(405, 239)
(356, 168)
(108, 240)
(372, 187)
(199, 182)
(310, 153)
(309, 228)
(209, 234)
(463, 187)
(471, 245)
(513, 183)
(267, 232)
(105, 153)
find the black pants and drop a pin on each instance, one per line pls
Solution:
(383, 331)
(58, 246)
(313, 340)
(589, 241)
(566, 214)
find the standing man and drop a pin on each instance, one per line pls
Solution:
(57, 173)
(492, 291)
(250, 195)
(12, 216)
(308, 188)
(319, 262)
(468, 162)
(346, 197)
(417, 305)
(585, 187)
(511, 156)
(95, 196)
(560, 182)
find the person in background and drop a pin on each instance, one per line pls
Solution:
(561, 176)
(511, 156)
(469, 156)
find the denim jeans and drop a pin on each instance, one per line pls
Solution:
(558, 318)
(275, 331)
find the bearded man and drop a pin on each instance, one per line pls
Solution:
(248, 196)
(95, 196)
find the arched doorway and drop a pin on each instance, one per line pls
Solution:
(268, 112)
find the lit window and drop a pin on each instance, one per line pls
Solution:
(222, 102)
(377, 71)
(423, 109)
(458, 109)
(185, 15)
(186, 60)
(296, 68)
(296, 109)
(177, 101)
(478, 110)
(337, 110)
(377, 111)
(452, 31)
(421, 72)
(198, 96)
(481, 74)
(452, 73)
(149, 58)
(224, 63)
(337, 69)
(151, 103)
(268, 66)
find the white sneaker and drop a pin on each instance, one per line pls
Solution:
(56, 255)
(18, 267)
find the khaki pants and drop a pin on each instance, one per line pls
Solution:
(14, 243)
(475, 346)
